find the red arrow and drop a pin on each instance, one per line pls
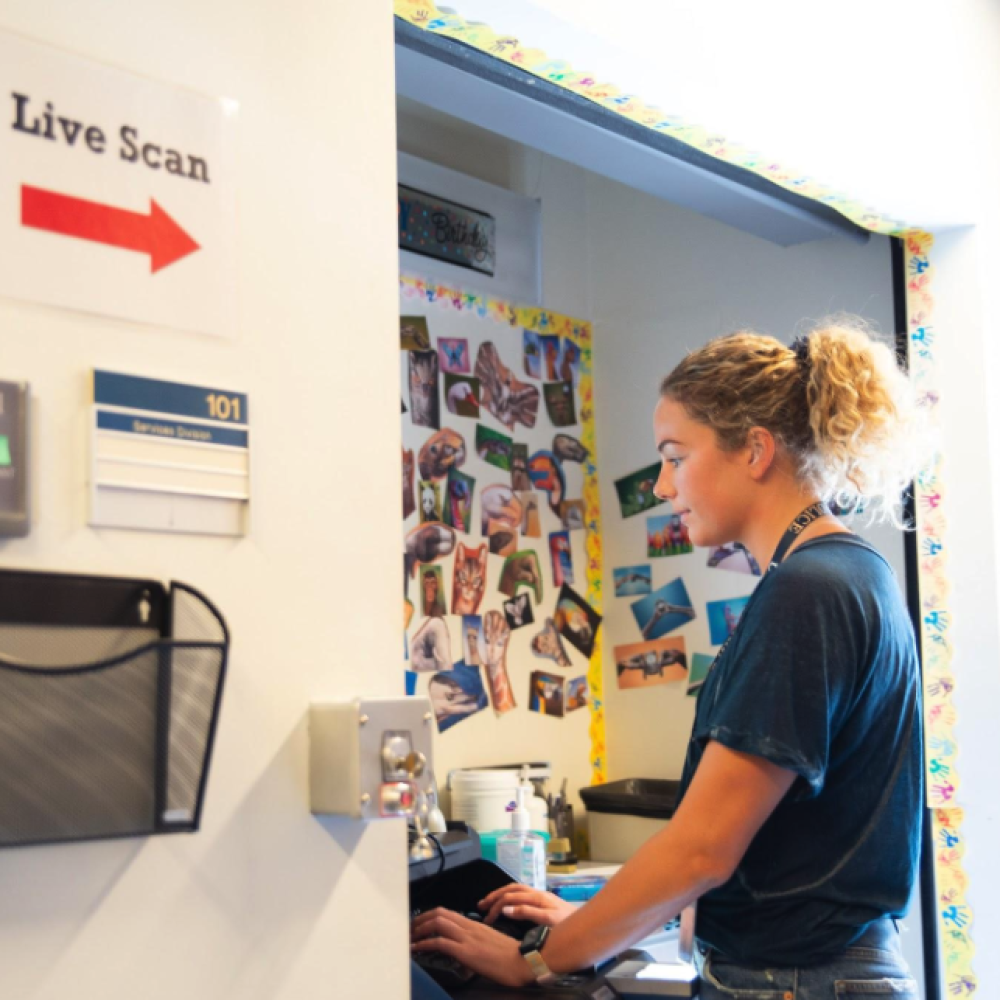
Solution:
(156, 233)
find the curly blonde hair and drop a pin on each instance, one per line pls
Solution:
(836, 402)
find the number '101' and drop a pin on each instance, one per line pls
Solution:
(223, 408)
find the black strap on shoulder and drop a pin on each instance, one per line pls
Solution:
(802, 521)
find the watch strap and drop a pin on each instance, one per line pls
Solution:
(531, 949)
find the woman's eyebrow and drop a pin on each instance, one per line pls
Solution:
(665, 442)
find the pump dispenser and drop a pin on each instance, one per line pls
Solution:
(522, 851)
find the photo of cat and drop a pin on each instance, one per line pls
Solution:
(469, 581)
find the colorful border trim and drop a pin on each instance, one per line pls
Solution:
(580, 332)
(941, 748)
(446, 22)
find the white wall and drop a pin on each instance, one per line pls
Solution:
(266, 901)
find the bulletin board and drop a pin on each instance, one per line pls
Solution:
(501, 515)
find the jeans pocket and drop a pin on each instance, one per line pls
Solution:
(898, 989)
(740, 983)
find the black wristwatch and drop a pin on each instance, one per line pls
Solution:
(531, 948)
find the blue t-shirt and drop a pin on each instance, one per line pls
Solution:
(820, 678)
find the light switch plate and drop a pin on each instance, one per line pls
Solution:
(345, 751)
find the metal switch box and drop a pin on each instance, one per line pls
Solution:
(369, 758)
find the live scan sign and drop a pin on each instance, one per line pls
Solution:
(117, 194)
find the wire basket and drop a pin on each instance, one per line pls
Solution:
(109, 697)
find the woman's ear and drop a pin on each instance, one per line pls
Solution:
(761, 450)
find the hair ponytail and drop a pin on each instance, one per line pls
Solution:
(836, 402)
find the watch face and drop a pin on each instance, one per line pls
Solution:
(534, 939)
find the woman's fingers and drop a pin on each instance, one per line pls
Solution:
(535, 914)
(495, 901)
(439, 923)
(518, 896)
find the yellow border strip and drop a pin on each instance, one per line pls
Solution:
(941, 748)
(580, 332)
(446, 22)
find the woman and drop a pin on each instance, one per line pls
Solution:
(798, 824)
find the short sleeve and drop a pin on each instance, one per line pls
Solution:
(787, 678)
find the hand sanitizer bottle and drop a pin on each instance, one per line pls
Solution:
(522, 852)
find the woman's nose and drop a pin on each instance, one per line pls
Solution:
(664, 488)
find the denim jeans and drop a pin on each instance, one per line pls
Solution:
(872, 967)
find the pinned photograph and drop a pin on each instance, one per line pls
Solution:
(494, 447)
(496, 635)
(454, 355)
(546, 694)
(572, 515)
(441, 452)
(667, 535)
(700, 666)
(458, 492)
(500, 505)
(508, 399)
(532, 355)
(546, 474)
(408, 610)
(548, 645)
(646, 664)
(409, 504)
(456, 694)
(576, 620)
(663, 610)
(472, 639)
(432, 592)
(568, 449)
(560, 404)
(521, 570)
(469, 579)
(517, 611)
(502, 538)
(413, 334)
(635, 491)
(430, 501)
(425, 409)
(430, 647)
(519, 478)
(577, 693)
(723, 617)
(551, 351)
(531, 520)
(631, 581)
(569, 362)
(426, 544)
(735, 557)
(562, 557)
(461, 395)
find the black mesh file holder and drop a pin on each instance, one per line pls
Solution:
(109, 697)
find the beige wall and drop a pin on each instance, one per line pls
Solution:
(266, 901)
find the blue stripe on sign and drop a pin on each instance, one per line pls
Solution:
(171, 430)
(134, 392)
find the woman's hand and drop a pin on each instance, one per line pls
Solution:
(521, 902)
(476, 946)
